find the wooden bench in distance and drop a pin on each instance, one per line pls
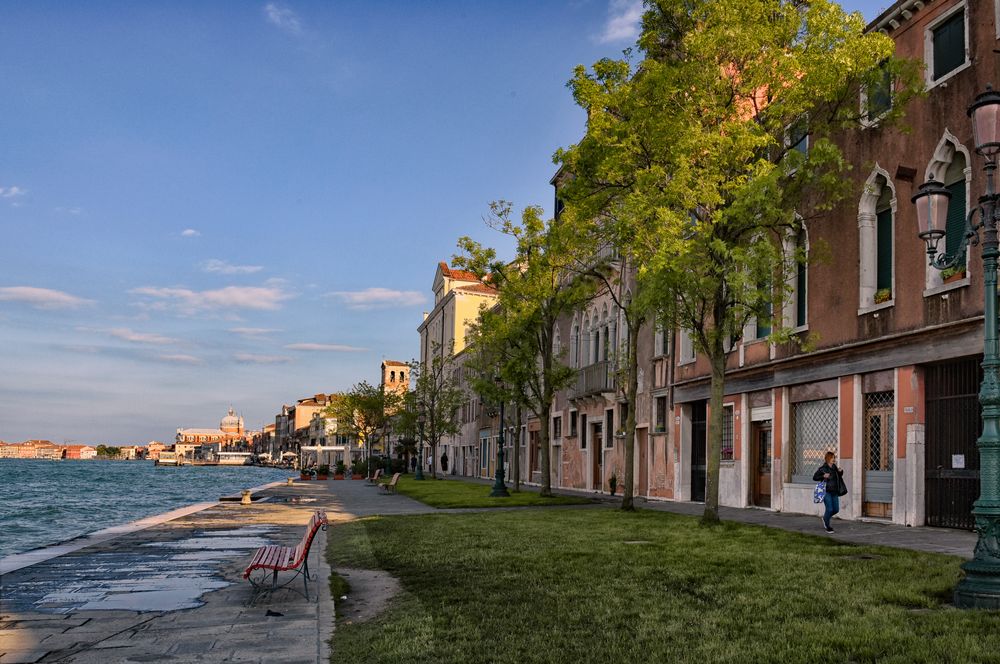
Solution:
(390, 486)
(374, 478)
(269, 560)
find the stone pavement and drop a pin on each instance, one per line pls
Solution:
(870, 532)
(173, 591)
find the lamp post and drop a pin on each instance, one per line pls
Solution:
(981, 586)
(499, 488)
(421, 420)
(386, 464)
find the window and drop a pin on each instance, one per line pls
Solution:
(878, 96)
(572, 423)
(557, 427)
(883, 251)
(796, 250)
(876, 218)
(814, 433)
(661, 414)
(797, 136)
(727, 433)
(484, 453)
(686, 347)
(609, 428)
(583, 432)
(955, 225)
(392, 376)
(948, 45)
(762, 326)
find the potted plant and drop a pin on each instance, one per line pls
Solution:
(323, 472)
(338, 473)
(613, 483)
(305, 474)
(359, 470)
(951, 274)
(883, 295)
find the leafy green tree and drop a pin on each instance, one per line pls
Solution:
(364, 412)
(438, 396)
(535, 290)
(693, 164)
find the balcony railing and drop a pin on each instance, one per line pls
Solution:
(598, 378)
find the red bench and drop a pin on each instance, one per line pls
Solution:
(269, 560)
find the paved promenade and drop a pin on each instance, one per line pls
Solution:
(173, 591)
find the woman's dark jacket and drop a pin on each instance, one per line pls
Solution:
(835, 485)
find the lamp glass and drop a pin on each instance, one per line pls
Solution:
(932, 209)
(985, 114)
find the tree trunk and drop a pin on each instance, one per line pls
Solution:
(631, 390)
(516, 453)
(543, 441)
(433, 459)
(717, 358)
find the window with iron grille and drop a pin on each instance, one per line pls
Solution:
(814, 433)
(727, 433)
(661, 414)
(557, 427)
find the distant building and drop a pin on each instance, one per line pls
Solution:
(154, 448)
(79, 452)
(39, 449)
(395, 376)
(230, 436)
(9, 451)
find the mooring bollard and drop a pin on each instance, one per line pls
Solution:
(245, 500)
(291, 480)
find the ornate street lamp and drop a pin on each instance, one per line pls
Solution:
(499, 488)
(981, 586)
(421, 420)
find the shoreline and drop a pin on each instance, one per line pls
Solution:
(17, 561)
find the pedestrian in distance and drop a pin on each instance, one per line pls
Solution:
(835, 487)
(413, 464)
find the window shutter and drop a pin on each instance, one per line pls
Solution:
(955, 226)
(949, 45)
(884, 256)
(800, 295)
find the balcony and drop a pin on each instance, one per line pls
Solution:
(594, 380)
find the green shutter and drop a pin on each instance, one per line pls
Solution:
(949, 45)
(884, 256)
(800, 295)
(955, 226)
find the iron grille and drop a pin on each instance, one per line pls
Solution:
(814, 433)
(879, 425)
(727, 433)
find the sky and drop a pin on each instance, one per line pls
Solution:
(207, 205)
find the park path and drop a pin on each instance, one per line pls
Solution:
(173, 591)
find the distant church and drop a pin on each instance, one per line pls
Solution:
(230, 433)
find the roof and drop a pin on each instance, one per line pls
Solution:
(201, 431)
(481, 289)
(394, 363)
(461, 275)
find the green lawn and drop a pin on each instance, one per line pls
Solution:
(456, 493)
(608, 587)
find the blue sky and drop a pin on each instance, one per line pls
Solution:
(243, 203)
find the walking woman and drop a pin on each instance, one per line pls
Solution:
(835, 487)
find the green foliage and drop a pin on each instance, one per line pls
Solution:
(359, 467)
(597, 585)
(437, 395)
(535, 289)
(108, 451)
(364, 412)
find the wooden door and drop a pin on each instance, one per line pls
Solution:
(762, 437)
(878, 455)
(597, 454)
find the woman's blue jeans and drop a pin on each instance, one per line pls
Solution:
(832, 504)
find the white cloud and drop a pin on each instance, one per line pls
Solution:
(222, 267)
(11, 192)
(330, 348)
(251, 358)
(283, 18)
(189, 301)
(41, 298)
(69, 210)
(624, 21)
(190, 232)
(378, 298)
(253, 331)
(132, 336)
(181, 359)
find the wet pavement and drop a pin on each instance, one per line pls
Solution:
(173, 591)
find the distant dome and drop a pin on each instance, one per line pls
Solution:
(231, 422)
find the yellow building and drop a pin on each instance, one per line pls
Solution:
(458, 298)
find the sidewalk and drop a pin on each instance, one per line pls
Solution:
(173, 592)
(934, 540)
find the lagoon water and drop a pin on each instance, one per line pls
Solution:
(45, 502)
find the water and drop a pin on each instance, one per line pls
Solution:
(47, 502)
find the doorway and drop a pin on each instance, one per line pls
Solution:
(699, 452)
(642, 440)
(597, 455)
(762, 439)
(880, 422)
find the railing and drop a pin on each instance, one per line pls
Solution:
(598, 378)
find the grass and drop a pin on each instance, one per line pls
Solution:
(606, 586)
(456, 493)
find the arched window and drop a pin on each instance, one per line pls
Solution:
(392, 376)
(876, 233)
(402, 376)
(574, 344)
(951, 165)
(585, 342)
(797, 252)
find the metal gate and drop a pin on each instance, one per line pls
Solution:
(699, 455)
(954, 422)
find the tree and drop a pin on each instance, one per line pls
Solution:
(363, 412)
(535, 290)
(694, 157)
(437, 396)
